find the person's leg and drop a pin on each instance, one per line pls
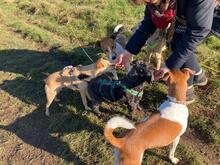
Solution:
(192, 64)
(199, 78)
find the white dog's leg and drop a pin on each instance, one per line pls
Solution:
(172, 151)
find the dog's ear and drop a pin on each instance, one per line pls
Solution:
(188, 72)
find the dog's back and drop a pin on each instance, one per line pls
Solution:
(103, 89)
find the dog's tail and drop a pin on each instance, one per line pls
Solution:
(114, 123)
(118, 28)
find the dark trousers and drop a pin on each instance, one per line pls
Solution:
(192, 63)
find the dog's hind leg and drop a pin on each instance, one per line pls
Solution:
(149, 55)
(50, 97)
(172, 151)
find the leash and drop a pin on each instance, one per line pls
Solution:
(84, 51)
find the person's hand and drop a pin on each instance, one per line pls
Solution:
(122, 59)
(158, 74)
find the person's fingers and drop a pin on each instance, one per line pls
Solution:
(118, 60)
(158, 74)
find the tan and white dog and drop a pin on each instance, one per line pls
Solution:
(158, 130)
(113, 46)
(73, 78)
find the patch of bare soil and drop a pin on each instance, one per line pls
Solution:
(210, 153)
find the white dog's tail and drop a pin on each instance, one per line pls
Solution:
(118, 28)
(112, 124)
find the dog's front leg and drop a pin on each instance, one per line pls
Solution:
(159, 57)
(84, 100)
(172, 151)
(114, 72)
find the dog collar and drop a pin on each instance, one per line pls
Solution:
(132, 91)
(173, 99)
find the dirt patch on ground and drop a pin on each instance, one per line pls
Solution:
(209, 152)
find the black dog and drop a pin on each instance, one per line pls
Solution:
(130, 87)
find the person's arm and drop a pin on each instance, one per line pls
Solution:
(139, 38)
(199, 19)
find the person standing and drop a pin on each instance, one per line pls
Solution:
(194, 21)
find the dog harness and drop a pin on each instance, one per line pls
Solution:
(113, 84)
(177, 112)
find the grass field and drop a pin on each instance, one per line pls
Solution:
(40, 37)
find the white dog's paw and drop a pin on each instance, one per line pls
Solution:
(174, 160)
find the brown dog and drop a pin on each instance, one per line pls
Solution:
(156, 44)
(71, 77)
(113, 46)
(157, 131)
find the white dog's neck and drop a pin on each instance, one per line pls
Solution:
(173, 99)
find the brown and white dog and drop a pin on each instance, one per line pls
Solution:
(113, 46)
(73, 78)
(158, 130)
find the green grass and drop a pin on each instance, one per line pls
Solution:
(40, 37)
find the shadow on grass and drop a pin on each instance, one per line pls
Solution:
(33, 129)
(29, 68)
